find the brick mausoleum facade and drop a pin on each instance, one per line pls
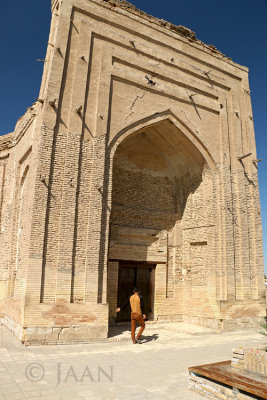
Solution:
(137, 165)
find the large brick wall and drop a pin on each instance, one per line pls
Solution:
(132, 152)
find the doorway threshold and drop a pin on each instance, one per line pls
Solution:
(121, 331)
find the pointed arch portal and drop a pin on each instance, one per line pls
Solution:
(158, 166)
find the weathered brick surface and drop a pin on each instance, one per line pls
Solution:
(213, 390)
(251, 360)
(131, 153)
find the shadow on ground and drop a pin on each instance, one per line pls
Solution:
(114, 331)
(151, 338)
(123, 332)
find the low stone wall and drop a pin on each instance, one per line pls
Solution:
(246, 363)
(63, 335)
(213, 390)
(253, 360)
(55, 335)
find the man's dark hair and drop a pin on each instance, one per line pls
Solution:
(136, 290)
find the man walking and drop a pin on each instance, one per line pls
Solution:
(137, 313)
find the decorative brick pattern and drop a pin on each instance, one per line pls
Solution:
(252, 360)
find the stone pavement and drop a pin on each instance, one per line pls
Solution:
(153, 370)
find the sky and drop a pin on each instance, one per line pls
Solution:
(238, 28)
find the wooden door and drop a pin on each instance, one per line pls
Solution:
(131, 275)
(126, 284)
(143, 282)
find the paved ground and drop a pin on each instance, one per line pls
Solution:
(154, 370)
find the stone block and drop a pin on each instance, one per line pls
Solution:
(31, 331)
(68, 331)
(238, 351)
(52, 337)
(45, 331)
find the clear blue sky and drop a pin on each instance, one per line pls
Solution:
(236, 27)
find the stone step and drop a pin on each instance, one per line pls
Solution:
(181, 327)
(122, 332)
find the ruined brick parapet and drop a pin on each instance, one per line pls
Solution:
(251, 360)
(10, 140)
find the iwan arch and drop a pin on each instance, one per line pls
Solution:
(137, 165)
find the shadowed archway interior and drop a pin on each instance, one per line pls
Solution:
(156, 171)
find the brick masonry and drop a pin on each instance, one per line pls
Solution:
(132, 152)
(213, 390)
(251, 360)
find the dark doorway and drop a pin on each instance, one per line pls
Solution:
(142, 276)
